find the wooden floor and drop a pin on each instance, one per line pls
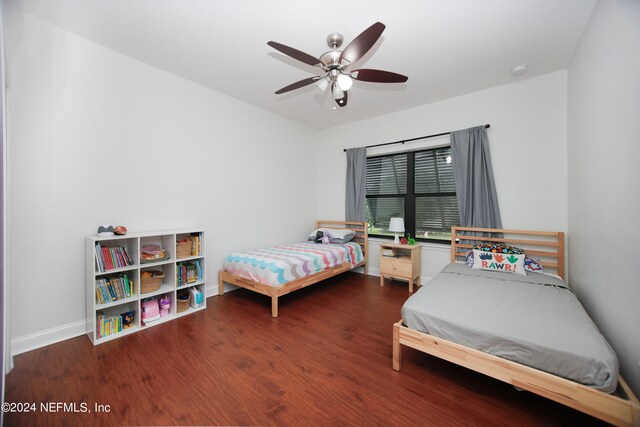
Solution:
(325, 361)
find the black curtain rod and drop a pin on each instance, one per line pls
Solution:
(413, 139)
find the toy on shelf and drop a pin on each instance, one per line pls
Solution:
(165, 304)
(127, 319)
(105, 230)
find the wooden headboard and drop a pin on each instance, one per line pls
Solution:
(548, 246)
(362, 235)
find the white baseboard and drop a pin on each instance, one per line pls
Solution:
(61, 333)
(210, 291)
(50, 336)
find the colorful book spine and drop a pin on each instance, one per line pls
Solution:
(108, 325)
(195, 244)
(107, 259)
(127, 286)
(99, 262)
(199, 269)
(126, 256)
(113, 289)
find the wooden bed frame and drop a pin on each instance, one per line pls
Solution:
(361, 237)
(621, 408)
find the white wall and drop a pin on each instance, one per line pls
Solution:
(604, 176)
(96, 137)
(528, 149)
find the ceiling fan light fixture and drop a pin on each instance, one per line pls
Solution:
(345, 82)
(337, 92)
(322, 85)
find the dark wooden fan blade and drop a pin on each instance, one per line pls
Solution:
(378, 76)
(297, 85)
(295, 53)
(361, 44)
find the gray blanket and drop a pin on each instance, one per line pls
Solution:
(535, 320)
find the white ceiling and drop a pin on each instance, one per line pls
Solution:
(446, 47)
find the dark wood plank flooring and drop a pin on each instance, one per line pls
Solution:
(325, 361)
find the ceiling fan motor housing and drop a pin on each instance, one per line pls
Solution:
(330, 60)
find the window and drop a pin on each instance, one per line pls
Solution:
(417, 186)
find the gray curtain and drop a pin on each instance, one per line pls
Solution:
(356, 184)
(473, 175)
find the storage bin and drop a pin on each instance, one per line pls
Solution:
(183, 248)
(182, 301)
(151, 284)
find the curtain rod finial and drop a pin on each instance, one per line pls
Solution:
(487, 126)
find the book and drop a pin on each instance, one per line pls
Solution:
(99, 263)
(107, 258)
(195, 244)
(109, 325)
(389, 252)
(199, 270)
(126, 255)
(127, 285)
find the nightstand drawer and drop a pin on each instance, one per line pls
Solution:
(392, 266)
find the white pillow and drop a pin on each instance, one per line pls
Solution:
(336, 233)
(508, 263)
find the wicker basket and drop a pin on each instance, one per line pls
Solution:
(182, 304)
(183, 249)
(151, 284)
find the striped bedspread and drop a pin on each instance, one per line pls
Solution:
(281, 264)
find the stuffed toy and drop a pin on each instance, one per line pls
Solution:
(323, 237)
(165, 305)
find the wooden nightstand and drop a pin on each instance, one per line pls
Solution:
(406, 266)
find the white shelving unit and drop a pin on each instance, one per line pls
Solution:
(171, 267)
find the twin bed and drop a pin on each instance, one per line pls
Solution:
(280, 270)
(528, 330)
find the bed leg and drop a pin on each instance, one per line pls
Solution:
(397, 350)
(220, 283)
(274, 306)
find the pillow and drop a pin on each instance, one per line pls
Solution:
(509, 263)
(530, 264)
(347, 238)
(336, 235)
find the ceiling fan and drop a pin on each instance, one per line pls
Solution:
(334, 63)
